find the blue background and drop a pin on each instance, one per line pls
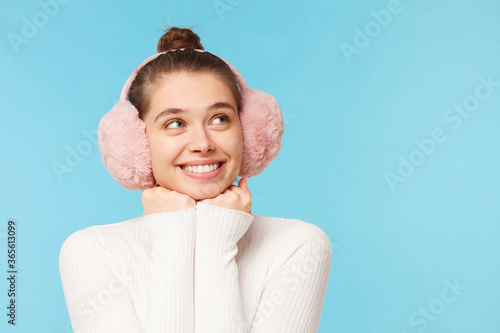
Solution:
(350, 119)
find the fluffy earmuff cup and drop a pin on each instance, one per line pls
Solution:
(262, 125)
(124, 147)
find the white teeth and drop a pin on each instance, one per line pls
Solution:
(201, 168)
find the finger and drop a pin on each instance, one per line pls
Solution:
(235, 189)
(231, 187)
(243, 184)
(245, 189)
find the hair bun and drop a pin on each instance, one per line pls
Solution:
(178, 38)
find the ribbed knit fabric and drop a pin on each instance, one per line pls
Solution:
(205, 269)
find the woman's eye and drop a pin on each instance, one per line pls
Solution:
(173, 122)
(224, 118)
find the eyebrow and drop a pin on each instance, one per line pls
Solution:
(218, 105)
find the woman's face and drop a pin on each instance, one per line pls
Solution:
(193, 120)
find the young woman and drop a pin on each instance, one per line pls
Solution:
(197, 260)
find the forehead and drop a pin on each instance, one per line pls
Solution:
(194, 90)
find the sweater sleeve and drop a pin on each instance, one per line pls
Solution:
(170, 292)
(294, 293)
(97, 290)
(218, 304)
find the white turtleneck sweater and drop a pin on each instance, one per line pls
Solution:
(204, 269)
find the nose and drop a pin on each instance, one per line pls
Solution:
(201, 140)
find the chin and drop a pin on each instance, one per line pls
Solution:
(205, 192)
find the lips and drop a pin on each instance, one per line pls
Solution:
(201, 168)
(205, 175)
(201, 162)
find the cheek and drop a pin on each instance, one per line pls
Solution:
(235, 145)
(239, 141)
(163, 149)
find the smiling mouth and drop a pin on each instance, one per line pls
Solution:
(201, 169)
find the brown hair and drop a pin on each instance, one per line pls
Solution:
(188, 60)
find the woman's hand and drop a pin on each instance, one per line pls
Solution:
(161, 200)
(234, 197)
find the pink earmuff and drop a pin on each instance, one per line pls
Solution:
(125, 149)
